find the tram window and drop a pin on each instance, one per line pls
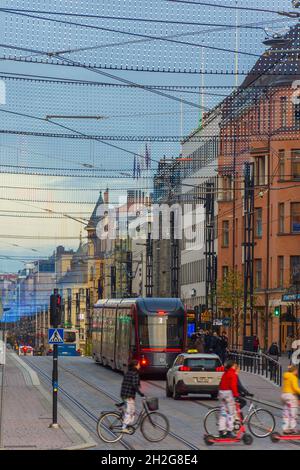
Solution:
(161, 332)
(69, 337)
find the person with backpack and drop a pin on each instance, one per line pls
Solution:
(130, 387)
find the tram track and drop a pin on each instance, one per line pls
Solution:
(112, 397)
(75, 402)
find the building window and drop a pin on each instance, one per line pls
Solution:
(225, 270)
(297, 114)
(258, 222)
(295, 217)
(283, 111)
(281, 217)
(295, 164)
(280, 271)
(258, 273)
(295, 269)
(260, 170)
(281, 164)
(225, 233)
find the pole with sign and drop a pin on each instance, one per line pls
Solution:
(2, 363)
(55, 337)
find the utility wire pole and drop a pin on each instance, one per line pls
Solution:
(248, 246)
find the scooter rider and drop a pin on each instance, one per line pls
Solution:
(290, 394)
(228, 392)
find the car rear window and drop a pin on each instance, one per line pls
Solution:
(203, 364)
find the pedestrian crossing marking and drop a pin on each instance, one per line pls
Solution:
(55, 336)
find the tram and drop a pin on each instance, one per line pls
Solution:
(152, 330)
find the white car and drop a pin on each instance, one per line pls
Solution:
(193, 372)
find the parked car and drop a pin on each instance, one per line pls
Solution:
(194, 373)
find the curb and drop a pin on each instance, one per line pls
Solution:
(88, 442)
(34, 378)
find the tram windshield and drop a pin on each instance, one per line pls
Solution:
(161, 331)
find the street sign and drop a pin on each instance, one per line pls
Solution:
(290, 297)
(226, 321)
(55, 336)
(218, 322)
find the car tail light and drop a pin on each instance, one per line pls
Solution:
(220, 369)
(184, 369)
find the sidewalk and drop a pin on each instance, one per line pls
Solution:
(28, 412)
(262, 388)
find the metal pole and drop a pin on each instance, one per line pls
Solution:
(55, 386)
(2, 387)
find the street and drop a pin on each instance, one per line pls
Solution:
(92, 389)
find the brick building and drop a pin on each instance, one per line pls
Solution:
(260, 124)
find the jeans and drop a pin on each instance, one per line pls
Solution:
(129, 412)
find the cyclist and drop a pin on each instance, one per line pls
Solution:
(228, 392)
(130, 386)
(290, 392)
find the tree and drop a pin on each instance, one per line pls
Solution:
(230, 295)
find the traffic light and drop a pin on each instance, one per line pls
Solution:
(277, 311)
(55, 310)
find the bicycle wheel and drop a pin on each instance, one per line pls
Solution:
(261, 423)
(109, 427)
(155, 427)
(211, 422)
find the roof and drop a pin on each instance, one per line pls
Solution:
(95, 217)
(279, 65)
(148, 304)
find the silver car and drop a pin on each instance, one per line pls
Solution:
(194, 373)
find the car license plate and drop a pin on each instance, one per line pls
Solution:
(202, 380)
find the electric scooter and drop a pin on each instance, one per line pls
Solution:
(277, 437)
(239, 428)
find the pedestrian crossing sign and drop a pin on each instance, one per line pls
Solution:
(55, 336)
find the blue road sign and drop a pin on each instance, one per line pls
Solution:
(56, 336)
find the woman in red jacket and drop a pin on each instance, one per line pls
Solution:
(228, 392)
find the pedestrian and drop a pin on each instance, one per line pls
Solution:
(288, 346)
(224, 347)
(274, 354)
(216, 345)
(199, 343)
(207, 341)
(130, 386)
(256, 344)
(228, 392)
(290, 392)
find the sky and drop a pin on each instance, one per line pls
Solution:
(70, 172)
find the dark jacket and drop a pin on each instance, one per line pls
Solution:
(131, 384)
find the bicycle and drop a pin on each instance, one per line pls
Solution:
(261, 422)
(154, 425)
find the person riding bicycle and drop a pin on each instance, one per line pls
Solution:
(130, 386)
(228, 392)
(290, 397)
